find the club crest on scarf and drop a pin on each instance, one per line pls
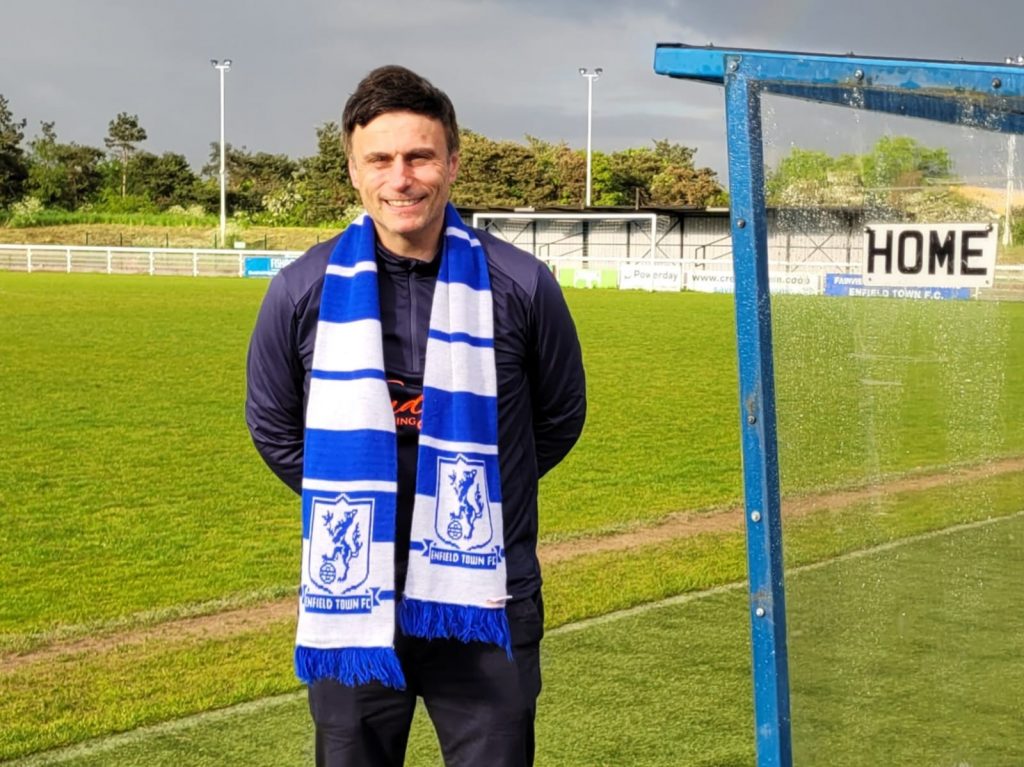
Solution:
(462, 517)
(339, 557)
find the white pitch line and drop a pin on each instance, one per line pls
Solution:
(695, 595)
(111, 742)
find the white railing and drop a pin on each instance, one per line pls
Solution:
(200, 262)
(195, 262)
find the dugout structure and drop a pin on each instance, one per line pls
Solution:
(586, 243)
(987, 98)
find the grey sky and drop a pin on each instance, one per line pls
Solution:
(510, 67)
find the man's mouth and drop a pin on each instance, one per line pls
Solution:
(402, 203)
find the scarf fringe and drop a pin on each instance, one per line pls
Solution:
(433, 620)
(350, 665)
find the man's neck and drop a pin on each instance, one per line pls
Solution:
(423, 248)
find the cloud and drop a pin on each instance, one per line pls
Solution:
(511, 68)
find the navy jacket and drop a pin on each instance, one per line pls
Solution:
(541, 388)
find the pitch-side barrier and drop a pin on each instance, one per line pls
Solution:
(668, 275)
(194, 262)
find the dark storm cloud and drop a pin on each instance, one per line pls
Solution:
(511, 68)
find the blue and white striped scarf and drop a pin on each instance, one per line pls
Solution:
(456, 584)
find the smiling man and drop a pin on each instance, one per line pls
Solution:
(402, 167)
(412, 379)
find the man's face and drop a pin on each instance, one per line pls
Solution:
(399, 163)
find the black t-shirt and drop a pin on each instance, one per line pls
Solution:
(406, 289)
(541, 389)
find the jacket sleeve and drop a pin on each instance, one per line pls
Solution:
(274, 386)
(559, 385)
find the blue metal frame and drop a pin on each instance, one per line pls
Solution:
(757, 423)
(987, 96)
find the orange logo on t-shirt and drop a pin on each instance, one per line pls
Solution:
(408, 410)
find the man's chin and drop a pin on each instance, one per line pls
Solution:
(405, 225)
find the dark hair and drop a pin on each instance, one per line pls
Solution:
(397, 89)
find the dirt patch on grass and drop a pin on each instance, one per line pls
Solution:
(675, 526)
(684, 524)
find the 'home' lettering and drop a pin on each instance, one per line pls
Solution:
(908, 254)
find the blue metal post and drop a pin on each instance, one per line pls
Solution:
(757, 406)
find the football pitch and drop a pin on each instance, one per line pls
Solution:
(146, 547)
(669, 683)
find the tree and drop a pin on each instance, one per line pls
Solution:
(13, 167)
(563, 170)
(164, 180)
(62, 175)
(660, 175)
(322, 190)
(123, 133)
(251, 176)
(498, 173)
(630, 173)
(900, 161)
(808, 177)
(899, 166)
(896, 170)
(685, 185)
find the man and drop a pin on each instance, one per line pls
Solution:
(413, 379)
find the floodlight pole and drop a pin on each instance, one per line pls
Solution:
(1011, 150)
(591, 76)
(222, 67)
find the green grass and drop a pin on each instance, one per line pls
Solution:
(129, 491)
(69, 699)
(77, 696)
(128, 474)
(880, 675)
(55, 217)
(914, 656)
(601, 583)
(128, 468)
(878, 387)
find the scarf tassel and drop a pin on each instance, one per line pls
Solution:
(350, 665)
(432, 620)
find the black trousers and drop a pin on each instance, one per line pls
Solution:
(481, 704)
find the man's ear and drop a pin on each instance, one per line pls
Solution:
(453, 166)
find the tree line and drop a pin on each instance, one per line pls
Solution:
(43, 172)
(898, 177)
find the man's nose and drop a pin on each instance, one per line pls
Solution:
(400, 173)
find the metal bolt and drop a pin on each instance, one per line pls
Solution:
(733, 66)
(759, 612)
(751, 419)
(741, 223)
(859, 74)
(755, 516)
(997, 83)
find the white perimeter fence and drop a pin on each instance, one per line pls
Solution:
(195, 262)
(700, 274)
